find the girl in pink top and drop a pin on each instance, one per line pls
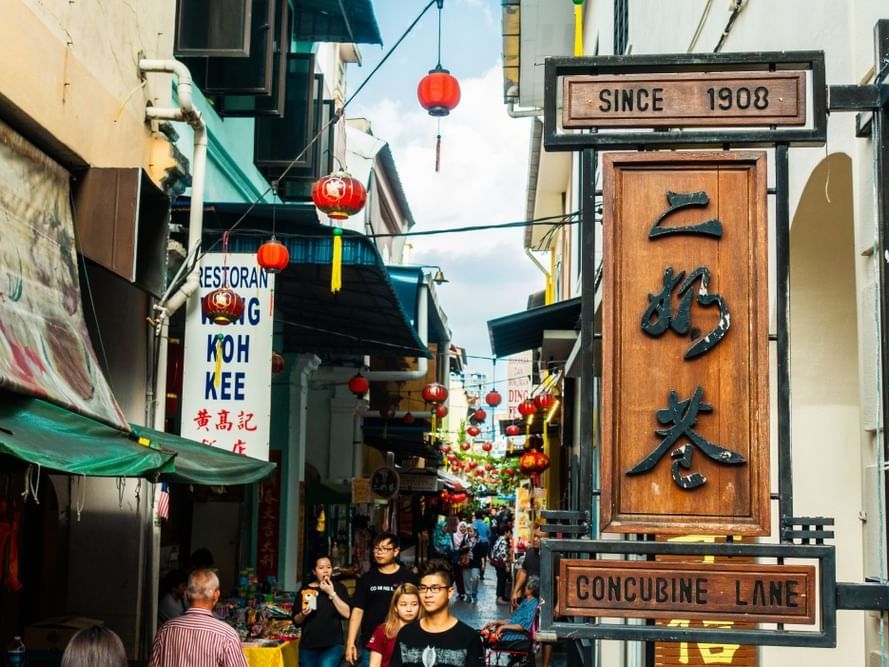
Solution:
(404, 609)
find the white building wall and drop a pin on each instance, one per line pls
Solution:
(835, 385)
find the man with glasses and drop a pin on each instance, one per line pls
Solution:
(373, 593)
(438, 638)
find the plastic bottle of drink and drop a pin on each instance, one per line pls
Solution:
(15, 653)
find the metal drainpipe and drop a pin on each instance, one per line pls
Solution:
(186, 113)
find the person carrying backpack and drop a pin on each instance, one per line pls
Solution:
(500, 558)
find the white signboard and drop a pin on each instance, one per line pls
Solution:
(518, 386)
(228, 405)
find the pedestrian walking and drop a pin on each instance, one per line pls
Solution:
(404, 609)
(323, 606)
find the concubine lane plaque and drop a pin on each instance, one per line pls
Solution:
(717, 591)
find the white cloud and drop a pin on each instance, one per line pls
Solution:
(484, 165)
(483, 181)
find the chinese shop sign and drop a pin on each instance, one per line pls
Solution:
(227, 381)
(685, 432)
(268, 522)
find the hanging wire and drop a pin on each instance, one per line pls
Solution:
(440, 6)
(337, 114)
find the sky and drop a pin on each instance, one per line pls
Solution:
(484, 161)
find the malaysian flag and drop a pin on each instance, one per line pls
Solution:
(163, 502)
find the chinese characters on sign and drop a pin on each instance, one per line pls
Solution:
(228, 369)
(685, 382)
(268, 522)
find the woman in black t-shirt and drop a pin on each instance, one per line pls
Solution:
(323, 604)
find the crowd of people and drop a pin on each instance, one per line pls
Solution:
(397, 616)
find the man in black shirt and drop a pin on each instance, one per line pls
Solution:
(438, 639)
(373, 593)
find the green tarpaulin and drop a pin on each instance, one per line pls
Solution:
(202, 464)
(59, 439)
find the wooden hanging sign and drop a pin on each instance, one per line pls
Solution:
(685, 99)
(722, 591)
(685, 411)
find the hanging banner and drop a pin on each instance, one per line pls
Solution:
(685, 433)
(227, 378)
(45, 347)
(518, 384)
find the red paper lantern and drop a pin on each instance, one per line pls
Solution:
(465, 446)
(480, 473)
(473, 430)
(489, 467)
(458, 498)
(533, 462)
(487, 446)
(441, 411)
(277, 363)
(438, 92)
(493, 398)
(408, 419)
(471, 465)
(544, 401)
(273, 256)
(339, 195)
(445, 448)
(359, 385)
(509, 472)
(512, 429)
(435, 393)
(480, 415)
(527, 407)
(223, 306)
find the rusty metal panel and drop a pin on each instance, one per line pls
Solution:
(107, 206)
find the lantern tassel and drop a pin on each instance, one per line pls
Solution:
(336, 268)
(578, 28)
(437, 152)
(217, 367)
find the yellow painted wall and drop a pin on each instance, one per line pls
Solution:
(71, 66)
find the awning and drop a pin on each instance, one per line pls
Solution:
(196, 463)
(364, 317)
(451, 481)
(524, 330)
(58, 439)
(397, 437)
(352, 21)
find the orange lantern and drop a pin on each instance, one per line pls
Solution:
(359, 385)
(277, 363)
(438, 92)
(273, 256)
(533, 462)
(339, 195)
(435, 393)
(473, 430)
(544, 401)
(223, 306)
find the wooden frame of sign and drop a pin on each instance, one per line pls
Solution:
(685, 410)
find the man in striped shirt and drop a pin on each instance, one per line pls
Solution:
(197, 638)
